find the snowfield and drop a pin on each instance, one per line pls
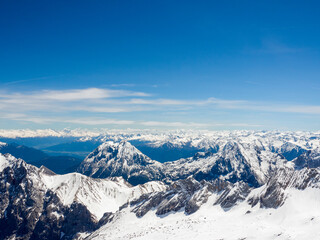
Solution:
(99, 195)
(298, 218)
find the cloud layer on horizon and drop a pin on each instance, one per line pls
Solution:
(109, 107)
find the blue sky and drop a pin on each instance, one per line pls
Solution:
(160, 64)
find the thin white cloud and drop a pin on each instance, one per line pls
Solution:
(300, 109)
(85, 94)
(140, 101)
(274, 107)
(83, 121)
(105, 106)
(173, 124)
(88, 121)
(119, 109)
(23, 81)
(121, 122)
(71, 95)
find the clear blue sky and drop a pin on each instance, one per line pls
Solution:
(160, 64)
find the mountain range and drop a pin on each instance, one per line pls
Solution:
(251, 182)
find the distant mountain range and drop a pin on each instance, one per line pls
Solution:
(58, 164)
(250, 182)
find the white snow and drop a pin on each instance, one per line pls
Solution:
(98, 195)
(3, 162)
(202, 139)
(6, 161)
(298, 218)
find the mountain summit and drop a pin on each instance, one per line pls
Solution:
(234, 161)
(113, 159)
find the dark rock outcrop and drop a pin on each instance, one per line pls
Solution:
(28, 210)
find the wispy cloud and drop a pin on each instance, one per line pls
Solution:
(96, 106)
(121, 122)
(85, 94)
(24, 81)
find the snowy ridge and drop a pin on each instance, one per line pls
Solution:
(234, 161)
(262, 185)
(201, 139)
(98, 195)
(277, 190)
(296, 217)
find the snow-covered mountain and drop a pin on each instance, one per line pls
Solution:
(262, 185)
(234, 161)
(200, 139)
(121, 159)
(159, 145)
(32, 199)
(310, 159)
(287, 207)
(276, 191)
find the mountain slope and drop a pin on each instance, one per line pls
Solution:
(287, 207)
(244, 186)
(21, 151)
(38, 204)
(234, 161)
(310, 159)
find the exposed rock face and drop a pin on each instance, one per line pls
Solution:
(289, 150)
(28, 210)
(309, 159)
(233, 162)
(188, 195)
(274, 193)
(179, 195)
(121, 159)
(38, 204)
(233, 194)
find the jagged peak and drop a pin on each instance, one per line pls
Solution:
(7, 160)
(231, 144)
(122, 146)
(118, 150)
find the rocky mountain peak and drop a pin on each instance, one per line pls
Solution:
(120, 150)
(113, 159)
